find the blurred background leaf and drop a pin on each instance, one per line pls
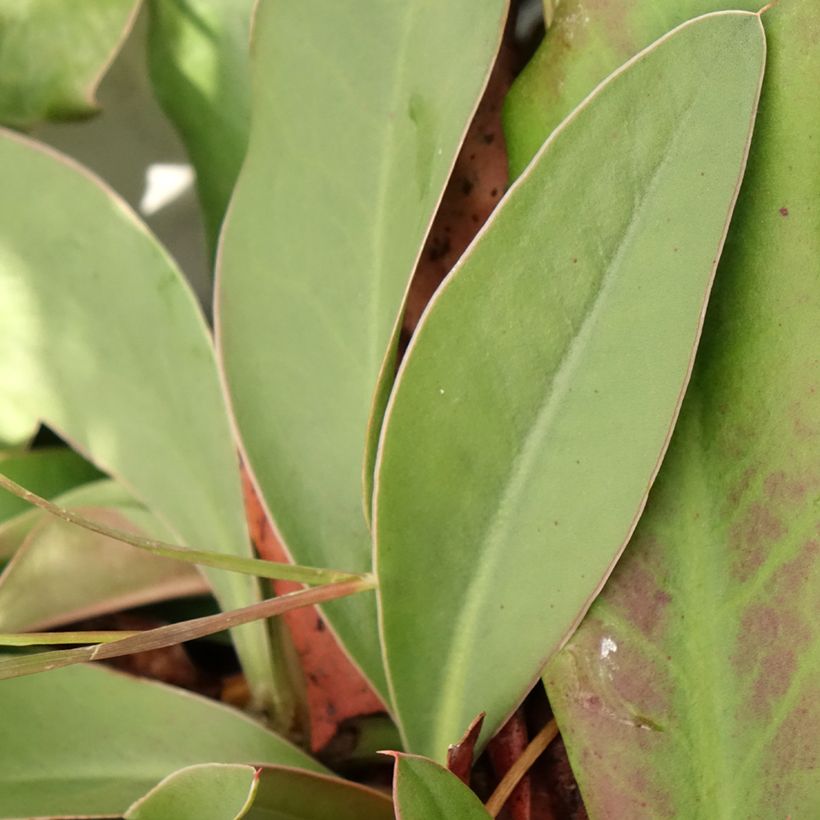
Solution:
(53, 54)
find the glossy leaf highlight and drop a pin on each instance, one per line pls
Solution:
(80, 350)
(354, 132)
(200, 70)
(537, 397)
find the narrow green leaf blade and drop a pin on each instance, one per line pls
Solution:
(355, 129)
(16, 666)
(423, 790)
(54, 53)
(538, 395)
(46, 472)
(199, 65)
(208, 791)
(87, 741)
(690, 690)
(585, 42)
(113, 353)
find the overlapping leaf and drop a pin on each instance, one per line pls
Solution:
(101, 337)
(87, 741)
(62, 573)
(220, 792)
(208, 791)
(45, 472)
(354, 131)
(587, 40)
(198, 57)
(53, 54)
(423, 790)
(537, 397)
(690, 690)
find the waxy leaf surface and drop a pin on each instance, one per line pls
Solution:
(423, 790)
(88, 741)
(220, 792)
(101, 337)
(208, 791)
(53, 54)
(200, 70)
(586, 41)
(690, 690)
(354, 131)
(538, 395)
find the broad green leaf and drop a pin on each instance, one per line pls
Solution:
(537, 398)
(113, 353)
(63, 574)
(354, 131)
(288, 794)
(690, 690)
(53, 54)
(46, 472)
(198, 58)
(209, 791)
(586, 41)
(90, 741)
(220, 792)
(423, 790)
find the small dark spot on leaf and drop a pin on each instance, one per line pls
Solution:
(466, 187)
(784, 211)
(489, 137)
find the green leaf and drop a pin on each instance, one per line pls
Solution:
(355, 130)
(87, 740)
(63, 574)
(115, 356)
(586, 41)
(53, 54)
(423, 790)
(220, 792)
(288, 794)
(209, 791)
(46, 472)
(539, 392)
(691, 688)
(198, 59)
